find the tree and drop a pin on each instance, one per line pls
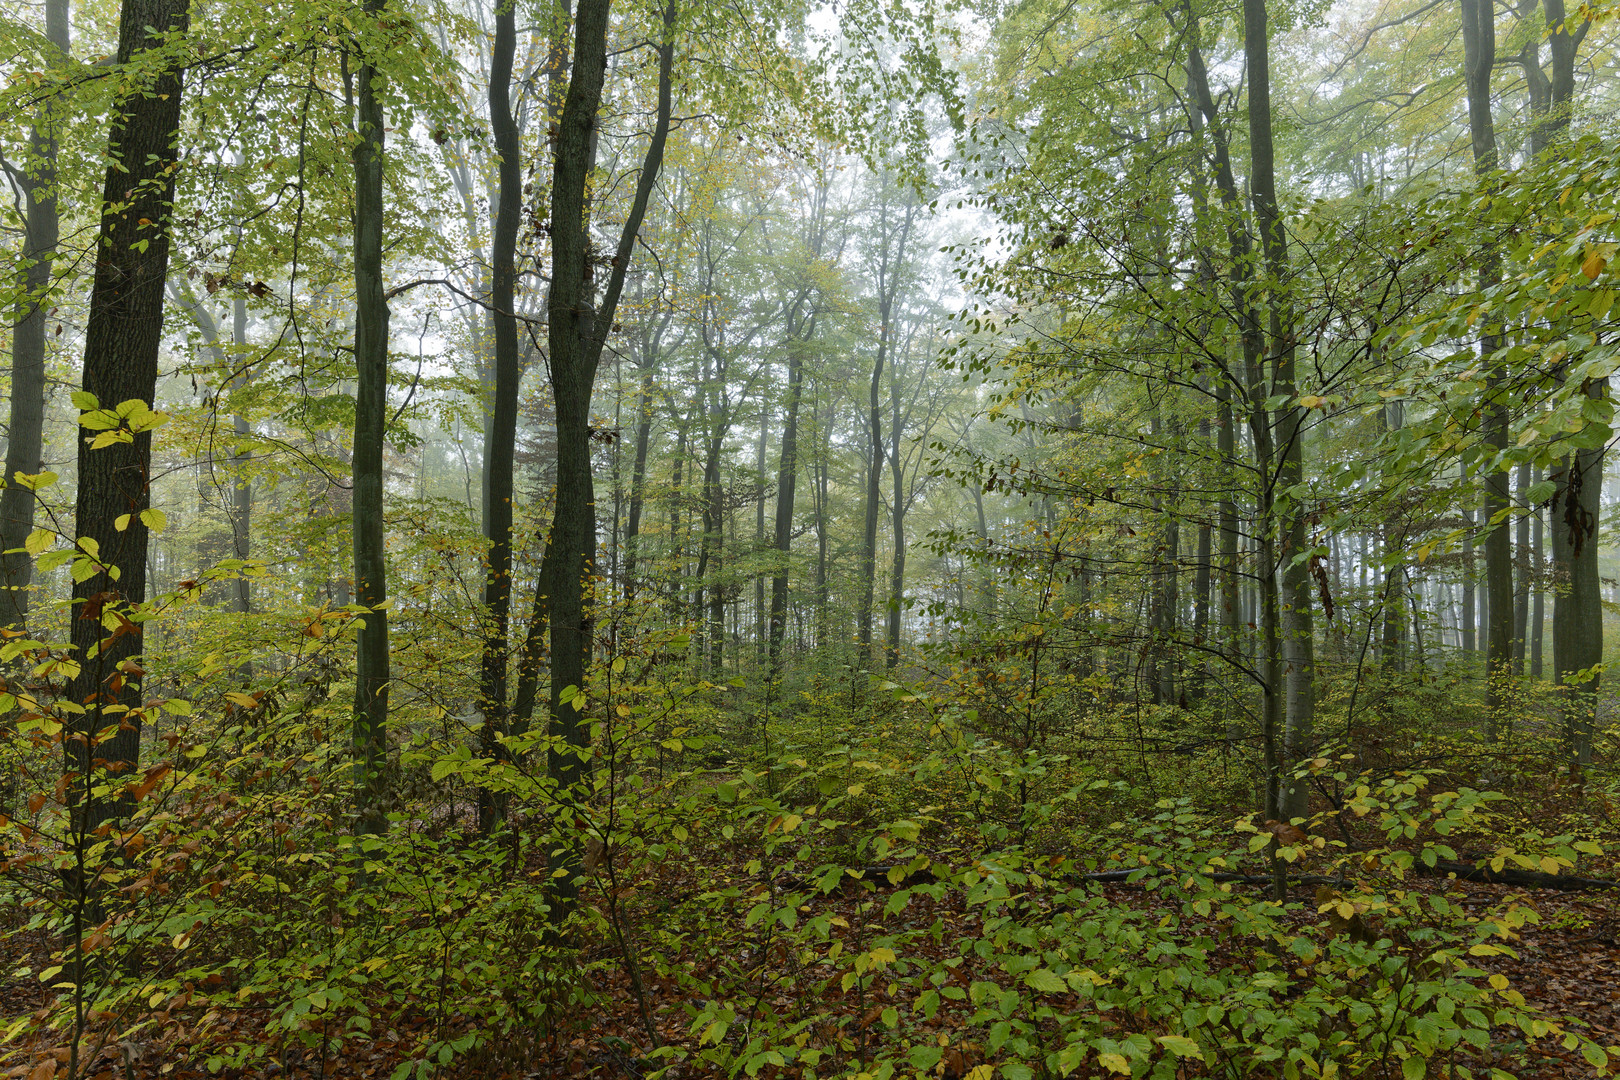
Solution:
(501, 442)
(25, 432)
(122, 340)
(897, 211)
(576, 332)
(1479, 49)
(370, 732)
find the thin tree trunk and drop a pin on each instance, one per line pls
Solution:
(787, 478)
(1538, 600)
(1296, 629)
(638, 481)
(1479, 56)
(761, 621)
(1577, 599)
(1469, 604)
(370, 420)
(891, 268)
(1521, 553)
(501, 445)
(242, 515)
(897, 514)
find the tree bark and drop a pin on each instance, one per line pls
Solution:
(370, 423)
(123, 337)
(892, 242)
(1538, 600)
(1521, 559)
(1296, 629)
(787, 479)
(576, 334)
(1577, 599)
(25, 433)
(500, 446)
(1479, 55)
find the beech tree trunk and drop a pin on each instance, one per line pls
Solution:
(576, 334)
(370, 422)
(25, 433)
(1296, 629)
(122, 339)
(1479, 55)
(501, 439)
(787, 479)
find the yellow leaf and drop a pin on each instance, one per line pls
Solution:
(38, 541)
(1312, 401)
(1116, 1062)
(121, 522)
(1593, 265)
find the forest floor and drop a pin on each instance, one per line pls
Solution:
(1568, 965)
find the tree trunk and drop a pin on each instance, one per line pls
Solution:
(370, 421)
(761, 622)
(501, 445)
(787, 478)
(1479, 55)
(897, 514)
(123, 337)
(638, 479)
(890, 272)
(1202, 581)
(25, 433)
(1521, 559)
(576, 334)
(1538, 600)
(242, 515)
(1577, 599)
(1296, 629)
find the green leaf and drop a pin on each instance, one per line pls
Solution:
(1047, 981)
(1414, 1068)
(1181, 1046)
(38, 541)
(84, 400)
(924, 1058)
(1594, 1055)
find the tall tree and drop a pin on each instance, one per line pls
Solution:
(1479, 58)
(1298, 635)
(891, 272)
(501, 443)
(122, 340)
(25, 432)
(370, 429)
(576, 333)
